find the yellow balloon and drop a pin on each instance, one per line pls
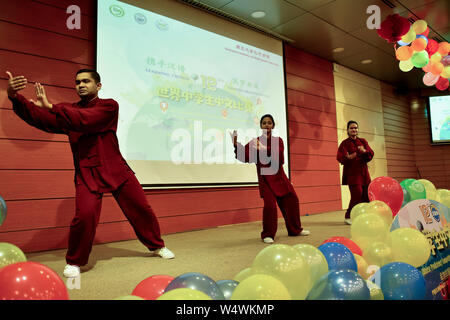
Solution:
(287, 265)
(315, 259)
(436, 57)
(409, 37)
(381, 209)
(184, 294)
(443, 196)
(261, 287)
(378, 254)
(245, 273)
(375, 291)
(10, 254)
(409, 246)
(429, 188)
(368, 228)
(446, 72)
(129, 297)
(419, 26)
(362, 266)
(359, 209)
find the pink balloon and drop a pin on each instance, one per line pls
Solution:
(387, 190)
(446, 60)
(152, 287)
(430, 79)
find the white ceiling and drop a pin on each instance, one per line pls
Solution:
(318, 26)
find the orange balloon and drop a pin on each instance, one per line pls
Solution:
(436, 68)
(419, 44)
(404, 53)
(444, 48)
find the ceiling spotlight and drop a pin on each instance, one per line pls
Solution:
(340, 49)
(367, 61)
(258, 14)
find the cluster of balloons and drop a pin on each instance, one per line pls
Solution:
(415, 49)
(423, 189)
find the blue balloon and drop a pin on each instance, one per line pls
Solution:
(401, 43)
(3, 210)
(196, 281)
(227, 287)
(423, 37)
(400, 281)
(338, 256)
(340, 285)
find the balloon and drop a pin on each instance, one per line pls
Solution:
(419, 44)
(401, 43)
(338, 256)
(404, 53)
(430, 189)
(129, 297)
(287, 265)
(363, 266)
(432, 47)
(31, 281)
(367, 229)
(381, 209)
(387, 190)
(406, 197)
(3, 210)
(430, 79)
(436, 57)
(245, 273)
(445, 72)
(421, 36)
(352, 246)
(436, 68)
(415, 189)
(10, 254)
(446, 60)
(184, 294)
(419, 26)
(409, 246)
(420, 59)
(443, 196)
(261, 287)
(426, 32)
(359, 209)
(400, 281)
(375, 291)
(196, 281)
(152, 287)
(444, 48)
(315, 259)
(426, 68)
(405, 65)
(378, 254)
(409, 36)
(227, 287)
(340, 285)
(442, 84)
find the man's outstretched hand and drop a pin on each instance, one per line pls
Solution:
(41, 97)
(15, 84)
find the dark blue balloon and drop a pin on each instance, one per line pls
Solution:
(227, 287)
(340, 285)
(338, 256)
(196, 281)
(400, 281)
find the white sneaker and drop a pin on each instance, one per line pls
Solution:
(305, 232)
(268, 240)
(348, 221)
(71, 271)
(164, 253)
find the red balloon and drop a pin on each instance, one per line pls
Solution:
(432, 47)
(152, 287)
(387, 190)
(31, 281)
(352, 246)
(442, 84)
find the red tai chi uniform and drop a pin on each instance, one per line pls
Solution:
(99, 168)
(356, 174)
(274, 186)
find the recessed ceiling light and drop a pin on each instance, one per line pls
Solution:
(340, 49)
(258, 14)
(367, 61)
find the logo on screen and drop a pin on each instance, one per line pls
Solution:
(140, 18)
(162, 25)
(116, 10)
(435, 213)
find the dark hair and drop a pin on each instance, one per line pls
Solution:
(267, 116)
(94, 74)
(350, 122)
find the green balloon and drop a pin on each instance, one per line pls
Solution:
(415, 189)
(10, 254)
(420, 59)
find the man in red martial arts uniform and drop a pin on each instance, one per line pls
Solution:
(91, 126)
(354, 153)
(267, 152)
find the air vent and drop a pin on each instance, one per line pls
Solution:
(389, 4)
(411, 19)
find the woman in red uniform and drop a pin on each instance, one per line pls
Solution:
(267, 152)
(354, 153)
